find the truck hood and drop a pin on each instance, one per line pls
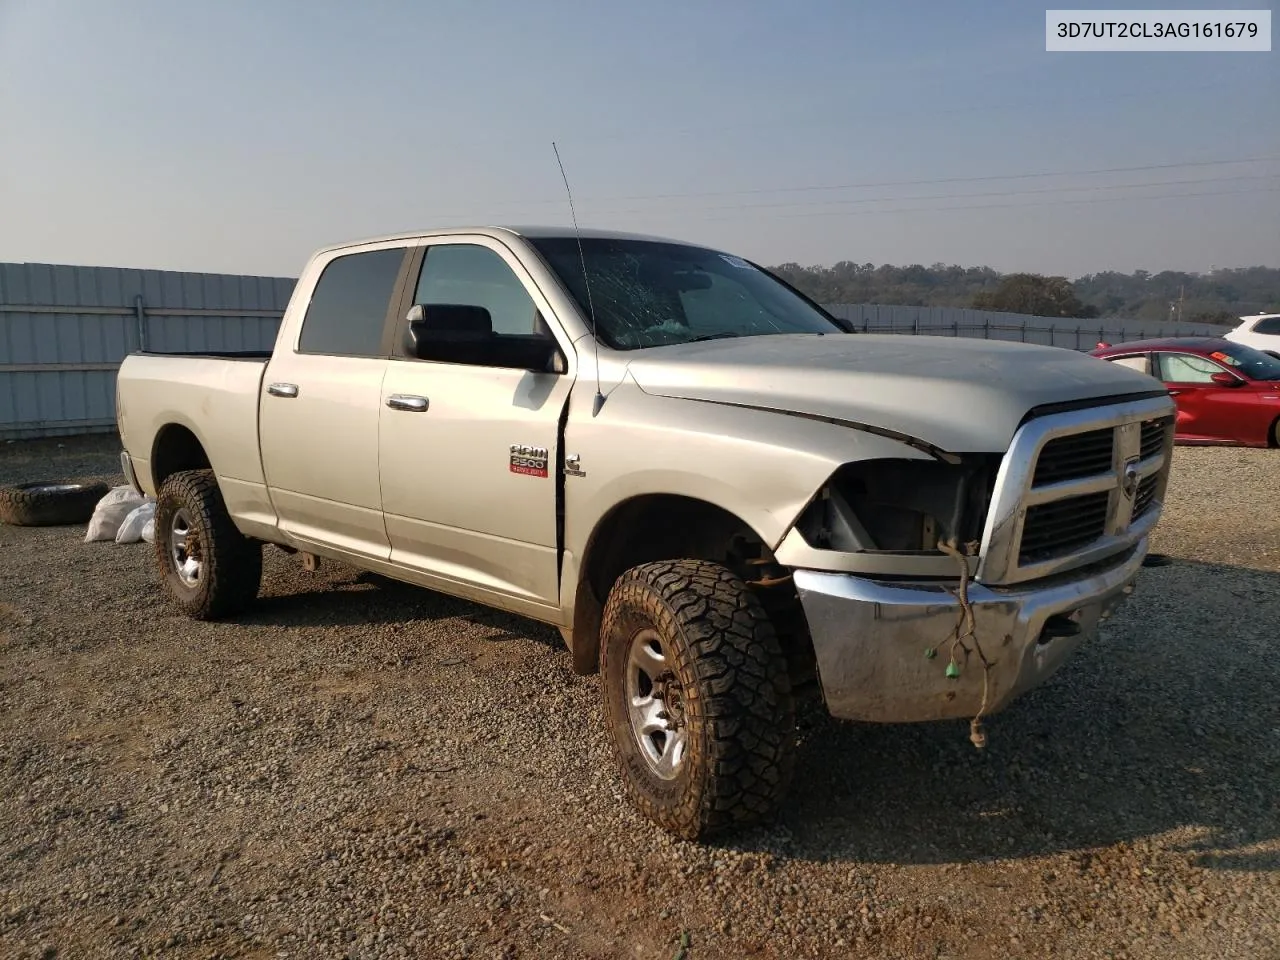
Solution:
(956, 394)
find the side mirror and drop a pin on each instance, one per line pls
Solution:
(461, 333)
(535, 354)
(1225, 379)
(417, 319)
(448, 326)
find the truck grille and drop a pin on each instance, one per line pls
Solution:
(1077, 487)
(1146, 495)
(1061, 526)
(1153, 435)
(1074, 456)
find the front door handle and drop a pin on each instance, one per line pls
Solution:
(283, 389)
(402, 401)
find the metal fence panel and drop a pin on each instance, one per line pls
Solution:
(1048, 331)
(65, 329)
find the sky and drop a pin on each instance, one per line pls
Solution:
(240, 136)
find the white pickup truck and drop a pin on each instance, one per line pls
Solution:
(719, 495)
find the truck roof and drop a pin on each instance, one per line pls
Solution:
(531, 232)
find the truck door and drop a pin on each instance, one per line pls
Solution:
(321, 399)
(468, 438)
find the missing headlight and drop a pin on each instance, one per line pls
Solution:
(901, 505)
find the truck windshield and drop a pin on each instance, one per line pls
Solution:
(647, 293)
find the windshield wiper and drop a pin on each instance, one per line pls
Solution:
(713, 336)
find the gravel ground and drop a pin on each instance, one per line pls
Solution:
(362, 769)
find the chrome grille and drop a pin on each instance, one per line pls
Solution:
(1061, 526)
(1153, 436)
(1073, 456)
(1077, 487)
(1146, 495)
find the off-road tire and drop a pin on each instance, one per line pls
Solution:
(736, 692)
(49, 503)
(231, 563)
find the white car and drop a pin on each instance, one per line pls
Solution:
(1261, 331)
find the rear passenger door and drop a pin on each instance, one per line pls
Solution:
(462, 507)
(321, 400)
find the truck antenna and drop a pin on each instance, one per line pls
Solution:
(591, 307)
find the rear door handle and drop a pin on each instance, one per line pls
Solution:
(283, 389)
(403, 401)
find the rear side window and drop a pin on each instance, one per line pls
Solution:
(1139, 362)
(348, 309)
(1270, 325)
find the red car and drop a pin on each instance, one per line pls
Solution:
(1226, 393)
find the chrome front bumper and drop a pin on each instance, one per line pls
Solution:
(871, 638)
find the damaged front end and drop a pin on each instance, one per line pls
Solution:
(901, 507)
(946, 587)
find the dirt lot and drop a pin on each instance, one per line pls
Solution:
(362, 769)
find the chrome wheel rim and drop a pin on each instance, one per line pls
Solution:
(655, 704)
(184, 548)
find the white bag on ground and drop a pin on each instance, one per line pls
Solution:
(131, 530)
(110, 513)
(149, 529)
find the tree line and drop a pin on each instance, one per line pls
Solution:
(1220, 296)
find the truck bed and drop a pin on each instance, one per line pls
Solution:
(214, 396)
(209, 354)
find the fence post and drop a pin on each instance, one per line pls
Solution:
(1122, 334)
(1022, 329)
(986, 327)
(139, 313)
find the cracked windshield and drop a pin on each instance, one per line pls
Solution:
(646, 293)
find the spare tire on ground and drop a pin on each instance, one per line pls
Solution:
(49, 503)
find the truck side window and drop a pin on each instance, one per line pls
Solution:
(477, 312)
(348, 309)
(465, 274)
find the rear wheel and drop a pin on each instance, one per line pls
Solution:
(697, 698)
(1275, 433)
(209, 568)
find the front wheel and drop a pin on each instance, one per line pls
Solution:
(697, 698)
(209, 568)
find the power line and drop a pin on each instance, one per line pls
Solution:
(962, 196)
(867, 184)
(917, 183)
(859, 116)
(994, 206)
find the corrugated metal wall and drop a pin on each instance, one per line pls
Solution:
(65, 329)
(986, 324)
